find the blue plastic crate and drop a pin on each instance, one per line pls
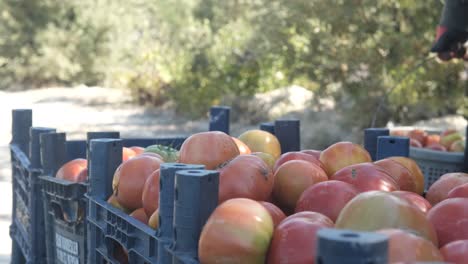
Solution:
(65, 202)
(64, 212)
(109, 228)
(188, 195)
(27, 228)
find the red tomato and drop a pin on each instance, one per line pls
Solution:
(312, 216)
(130, 178)
(211, 149)
(150, 196)
(375, 210)
(436, 146)
(440, 189)
(245, 176)
(399, 173)
(291, 179)
(138, 150)
(276, 214)
(450, 218)
(416, 172)
(261, 141)
(406, 247)
(415, 199)
(140, 215)
(153, 221)
(313, 152)
(460, 191)
(243, 148)
(431, 139)
(296, 155)
(415, 143)
(327, 198)
(267, 158)
(366, 177)
(418, 134)
(238, 231)
(342, 154)
(455, 252)
(127, 154)
(295, 238)
(73, 170)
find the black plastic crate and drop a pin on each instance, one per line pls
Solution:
(27, 228)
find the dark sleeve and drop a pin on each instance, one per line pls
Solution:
(455, 15)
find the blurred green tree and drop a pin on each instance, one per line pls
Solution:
(195, 52)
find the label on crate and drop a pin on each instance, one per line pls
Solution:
(22, 213)
(67, 250)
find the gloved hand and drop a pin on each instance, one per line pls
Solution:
(452, 31)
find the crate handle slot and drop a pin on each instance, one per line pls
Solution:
(117, 251)
(68, 214)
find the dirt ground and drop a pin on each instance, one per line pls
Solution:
(82, 109)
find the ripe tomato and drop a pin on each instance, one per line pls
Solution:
(150, 195)
(342, 154)
(291, 179)
(130, 178)
(418, 134)
(313, 152)
(416, 172)
(460, 191)
(127, 154)
(415, 199)
(211, 149)
(375, 210)
(449, 218)
(140, 215)
(406, 247)
(327, 198)
(261, 141)
(440, 189)
(138, 150)
(276, 214)
(243, 148)
(238, 231)
(366, 177)
(295, 238)
(455, 252)
(72, 170)
(431, 139)
(267, 158)
(399, 173)
(245, 176)
(296, 155)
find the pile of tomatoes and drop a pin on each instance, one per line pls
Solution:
(271, 205)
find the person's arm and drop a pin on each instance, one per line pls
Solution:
(452, 31)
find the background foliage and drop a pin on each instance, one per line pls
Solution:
(194, 52)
